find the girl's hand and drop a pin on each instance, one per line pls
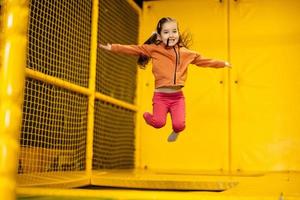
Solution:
(106, 47)
(227, 64)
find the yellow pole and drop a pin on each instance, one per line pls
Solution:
(138, 101)
(56, 81)
(12, 76)
(229, 102)
(92, 83)
(114, 101)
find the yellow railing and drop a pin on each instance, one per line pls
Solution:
(57, 82)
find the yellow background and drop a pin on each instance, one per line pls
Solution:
(243, 119)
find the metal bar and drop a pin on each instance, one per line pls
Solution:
(116, 102)
(92, 88)
(75, 88)
(12, 78)
(229, 90)
(56, 81)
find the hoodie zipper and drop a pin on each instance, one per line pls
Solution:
(176, 64)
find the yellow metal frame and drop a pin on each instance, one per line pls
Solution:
(229, 92)
(268, 187)
(92, 83)
(56, 81)
(12, 76)
(138, 100)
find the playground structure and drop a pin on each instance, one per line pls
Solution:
(71, 114)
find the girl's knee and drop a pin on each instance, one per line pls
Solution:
(159, 123)
(178, 127)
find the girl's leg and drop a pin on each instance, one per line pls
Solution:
(160, 110)
(177, 111)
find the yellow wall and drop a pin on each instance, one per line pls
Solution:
(265, 47)
(248, 125)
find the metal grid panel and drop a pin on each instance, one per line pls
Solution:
(59, 39)
(113, 137)
(116, 74)
(54, 126)
(53, 129)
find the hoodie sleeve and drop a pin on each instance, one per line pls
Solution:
(134, 50)
(207, 62)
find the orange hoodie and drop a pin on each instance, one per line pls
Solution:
(169, 65)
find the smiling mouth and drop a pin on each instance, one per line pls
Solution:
(170, 40)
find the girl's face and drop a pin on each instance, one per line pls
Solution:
(169, 31)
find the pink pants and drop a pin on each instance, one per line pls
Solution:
(164, 103)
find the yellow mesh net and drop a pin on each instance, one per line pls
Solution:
(53, 130)
(113, 137)
(116, 77)
(59, 39)
(55, 117)
(116, 74)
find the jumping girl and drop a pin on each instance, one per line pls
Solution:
(170, 59)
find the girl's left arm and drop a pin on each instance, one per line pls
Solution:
(207, 62)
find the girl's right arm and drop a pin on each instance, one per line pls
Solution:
(135, 50)
(106, 47)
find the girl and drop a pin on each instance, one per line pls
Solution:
(170, 59)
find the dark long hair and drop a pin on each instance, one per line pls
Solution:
(184, 40)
